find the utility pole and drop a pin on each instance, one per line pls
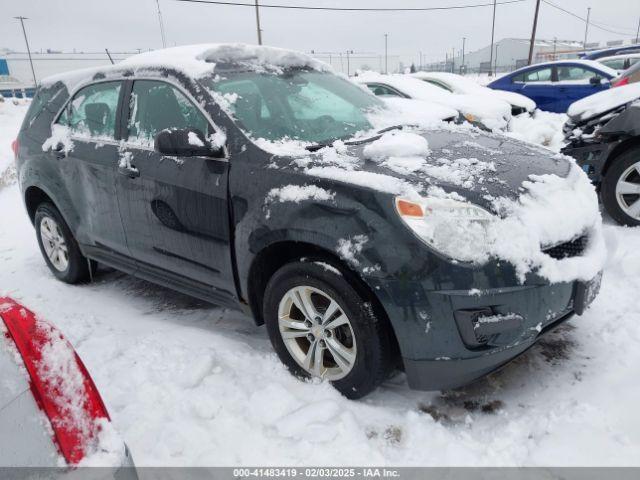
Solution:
(463, 43)
(386, 54)
(493, 28)
(258, 23)
(555, 43)
(533, 32)
(164, 39)
(453, 59)
(638, 32)
(33, 72)
(348, 67)
(496, 67)
(586, 29)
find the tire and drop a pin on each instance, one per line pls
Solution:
(623, 207)
(365, 340)
(53, 234)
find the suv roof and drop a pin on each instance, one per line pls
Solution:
(197, 61)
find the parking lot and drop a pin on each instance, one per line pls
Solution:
(187, 383)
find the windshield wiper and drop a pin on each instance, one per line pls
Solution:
(317, 146)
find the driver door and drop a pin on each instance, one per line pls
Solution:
(174, 209)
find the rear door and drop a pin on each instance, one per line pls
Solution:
(537, 84)
(89, 166)
(174, 210)
(575, 82)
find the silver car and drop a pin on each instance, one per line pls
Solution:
(51, 413)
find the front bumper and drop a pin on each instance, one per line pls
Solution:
(449, 338)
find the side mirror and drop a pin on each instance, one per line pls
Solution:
(596, 80)
(185, 142)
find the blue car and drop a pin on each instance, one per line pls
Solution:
(556, 85)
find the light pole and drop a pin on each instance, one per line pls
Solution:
(496, 66)
(33, 72)
(162, 35)
(586, 29)
(493, 28)
(453, 60)
(258, 23)
(463, 43)
(638, 32)
(386, 54)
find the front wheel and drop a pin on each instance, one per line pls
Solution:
(621, 188)
(320, 326)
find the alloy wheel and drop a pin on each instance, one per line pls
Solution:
(54, 244)
(628, 191)
(317, 333)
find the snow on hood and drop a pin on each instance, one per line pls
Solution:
(491, 112)
(603, 101)
(200, 60)
(536, 199)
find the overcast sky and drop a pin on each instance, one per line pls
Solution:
(131, 24)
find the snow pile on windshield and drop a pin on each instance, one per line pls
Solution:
(603, 101)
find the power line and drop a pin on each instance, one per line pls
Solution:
(354, 9)
(591, 22)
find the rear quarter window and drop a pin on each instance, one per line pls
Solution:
(46, 103)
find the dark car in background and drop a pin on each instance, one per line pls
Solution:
(253, 178)
(556, 85)
(603, 135)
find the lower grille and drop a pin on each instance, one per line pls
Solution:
(574, 248)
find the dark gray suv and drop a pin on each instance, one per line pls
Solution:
(365, 239)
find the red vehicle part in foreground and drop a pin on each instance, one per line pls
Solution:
(59, 380)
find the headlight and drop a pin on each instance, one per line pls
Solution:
(470, 118)
(456, 229)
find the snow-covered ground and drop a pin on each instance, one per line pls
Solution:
(187, 383)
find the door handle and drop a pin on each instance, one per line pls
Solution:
(59, 151)
(129, 171)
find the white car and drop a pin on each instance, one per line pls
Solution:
(484, 112)
(51, 413)
(461, 85)
(620, 63)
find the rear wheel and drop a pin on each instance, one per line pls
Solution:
(59, 249)
(621, 188)
(320, 326)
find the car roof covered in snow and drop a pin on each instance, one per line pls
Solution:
(200, 60)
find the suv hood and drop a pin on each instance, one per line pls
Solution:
(538, 200)
(475, 165)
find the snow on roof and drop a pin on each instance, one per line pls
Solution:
(200, 60)
(603, 101)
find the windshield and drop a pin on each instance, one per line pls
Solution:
(303, 105)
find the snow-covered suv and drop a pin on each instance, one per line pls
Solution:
(365, 238)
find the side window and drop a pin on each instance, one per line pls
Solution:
(575, 74)
(382, 91)
(92, 111)
(156, 106)
(532, 76)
